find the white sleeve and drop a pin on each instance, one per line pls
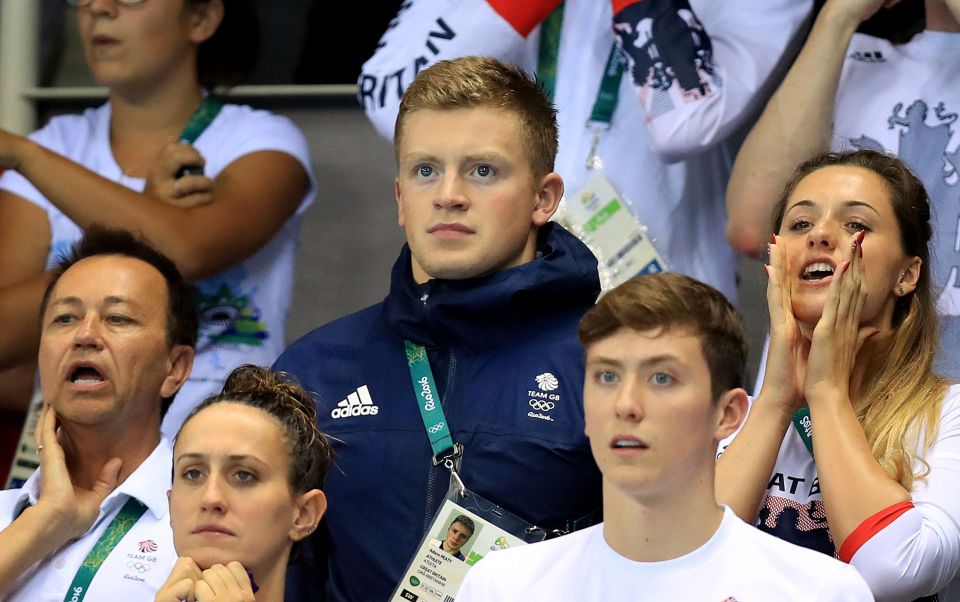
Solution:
(700, 68)
(422, 33)
(846, 585)
(918, 554)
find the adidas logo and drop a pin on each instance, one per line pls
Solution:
(868, 57)
(357, 403)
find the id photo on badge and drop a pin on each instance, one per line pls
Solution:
(459, 535)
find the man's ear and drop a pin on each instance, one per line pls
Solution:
(310, 507)
(732, 409)
(205, 19)
(549, 193)
(180, 363)
(401, 219)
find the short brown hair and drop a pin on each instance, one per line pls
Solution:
(670, 300)
(477, 81)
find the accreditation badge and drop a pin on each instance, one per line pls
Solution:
(602, 219)
(466, 529)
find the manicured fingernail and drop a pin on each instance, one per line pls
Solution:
(846, 267)
(773, 239)
(766, 269)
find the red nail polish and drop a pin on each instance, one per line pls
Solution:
(846, 267)
(773, 239)
(766, 269)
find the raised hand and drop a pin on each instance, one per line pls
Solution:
(69, 509)
(787, 356)
(838, 335)
(186, 191)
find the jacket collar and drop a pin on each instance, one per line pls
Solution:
(482, 312)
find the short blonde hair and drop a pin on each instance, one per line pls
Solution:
(477, 81)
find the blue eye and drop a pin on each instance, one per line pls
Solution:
(605, 377)
(424, 171)
(484, 171)
(662, 378)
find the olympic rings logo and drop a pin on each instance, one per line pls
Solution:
(436, 428)
(139, 567)
(542, 406)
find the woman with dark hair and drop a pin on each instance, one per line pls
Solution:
(217, 187)
(248, 467)
(853, 436)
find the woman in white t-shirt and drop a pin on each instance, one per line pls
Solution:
(248, 467)
(232, 230)
(853, 334)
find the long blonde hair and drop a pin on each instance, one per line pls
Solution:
(903, 401)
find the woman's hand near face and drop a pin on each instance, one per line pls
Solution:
(180, 585)
(229, 583)
(786, 366)
(190, 190)
(838, 335)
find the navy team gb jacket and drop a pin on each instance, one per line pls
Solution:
(509, 369)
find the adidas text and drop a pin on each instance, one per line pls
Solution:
(358, 403)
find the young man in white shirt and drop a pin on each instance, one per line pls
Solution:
(664, 363)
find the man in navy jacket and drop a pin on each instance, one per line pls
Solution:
(493, 292)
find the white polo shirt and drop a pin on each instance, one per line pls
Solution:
(137, 566)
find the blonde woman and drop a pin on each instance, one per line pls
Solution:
(853, 443)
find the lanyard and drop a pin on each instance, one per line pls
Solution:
(425, 390)
(606, 101)
(804, 426)
(202, 116)
(119, 526)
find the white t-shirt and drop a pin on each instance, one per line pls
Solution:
(917, 554)
(737, 564)
(905, 99)
(137, 566)
(243, 309)
(669, 156)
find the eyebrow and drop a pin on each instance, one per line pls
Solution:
(109, 300)
(418, 157)
(231, 457)
(847, 204)
(646, 362)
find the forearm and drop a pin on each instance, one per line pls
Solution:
(16, 387)
(853, 484)
(88, 198)
(795, 125)
(19, 306)
(744, 468)
(252, 198)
